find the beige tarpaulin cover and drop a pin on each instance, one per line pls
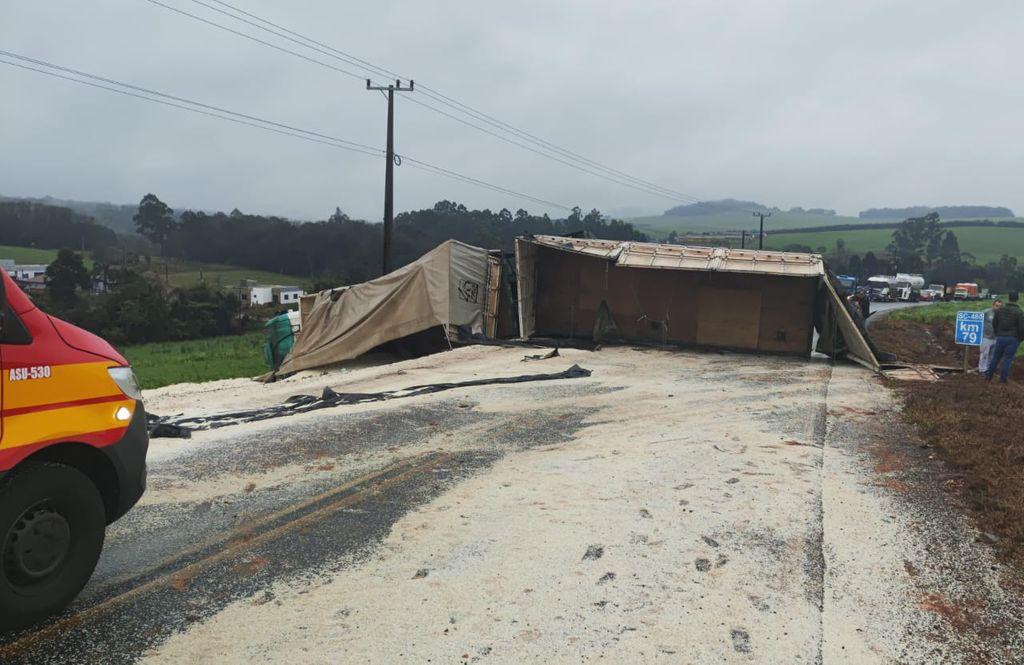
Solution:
(443, 287)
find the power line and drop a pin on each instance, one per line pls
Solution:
(251, 121)
(180, 99)
(256, 39)
(188, 108)
(609, 173)
(442, 171)
(433, 94)
(542, 154)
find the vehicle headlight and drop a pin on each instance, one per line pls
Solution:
(125, 379)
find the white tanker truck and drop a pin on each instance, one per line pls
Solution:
(908, 287)
(901, 286)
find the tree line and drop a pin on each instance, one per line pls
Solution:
(27, 224)
(135, 306)
(875, 226)
(341, 250)
(942, 211)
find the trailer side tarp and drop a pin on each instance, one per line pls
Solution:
(445, 287)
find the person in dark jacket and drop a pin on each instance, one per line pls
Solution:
(1008, 326)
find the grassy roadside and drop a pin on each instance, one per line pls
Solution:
(937, 322)
(940, 312)
(969, 421)
(164, 363)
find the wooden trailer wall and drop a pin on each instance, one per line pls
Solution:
(756, 312)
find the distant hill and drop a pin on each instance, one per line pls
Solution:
(702, 208)
(945, 212)
(116, 216)
(728, 215)
(32, 224)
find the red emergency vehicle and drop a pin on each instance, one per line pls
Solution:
(73, 442)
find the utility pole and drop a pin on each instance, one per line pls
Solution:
(389, 168)
(760, 237)
(743, 240)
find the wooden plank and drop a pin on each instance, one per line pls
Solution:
(492, 296)
(728, 317)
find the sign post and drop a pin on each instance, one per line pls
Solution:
(969, 329)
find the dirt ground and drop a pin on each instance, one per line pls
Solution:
(916, 342)
(972, 423)
(707, 508)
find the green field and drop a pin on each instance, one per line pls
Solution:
(188, 273)
(986, 243)
(27, 254)
(659, 226)
(164, 363)
(178, 273)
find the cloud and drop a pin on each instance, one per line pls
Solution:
(845, 104)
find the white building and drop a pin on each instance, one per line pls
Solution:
(24, 271)
(287, 295)
(253, 294)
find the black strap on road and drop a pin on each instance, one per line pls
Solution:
(182, 426)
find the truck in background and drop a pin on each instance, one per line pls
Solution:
(880, 288)
(908, 287)
(965, 291)
(849, 282)
(934, 292)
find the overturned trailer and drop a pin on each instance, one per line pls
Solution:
(608, 290)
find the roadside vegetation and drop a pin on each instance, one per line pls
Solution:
(192, 361)
(940, 312)
(925, 334)
(969, 421)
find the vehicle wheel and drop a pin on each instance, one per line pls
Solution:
(52, 525)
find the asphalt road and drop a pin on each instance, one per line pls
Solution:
(714, 507)
(879, 307)
(167, 565)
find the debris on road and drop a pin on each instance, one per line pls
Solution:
(170, 425)
(553, 353)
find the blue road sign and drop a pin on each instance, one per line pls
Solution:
(969, 327)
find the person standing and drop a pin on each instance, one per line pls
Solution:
(1008, 326)
(988, 337)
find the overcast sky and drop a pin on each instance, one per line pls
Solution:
(844, 104)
